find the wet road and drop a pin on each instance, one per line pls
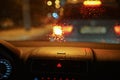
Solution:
(22, 34)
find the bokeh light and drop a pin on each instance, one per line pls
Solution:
(49, 3)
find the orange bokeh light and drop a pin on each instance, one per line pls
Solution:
(92, 3)
(117, 29)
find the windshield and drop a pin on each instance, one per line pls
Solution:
(60, 20)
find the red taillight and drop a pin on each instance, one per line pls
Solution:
(67, 29)
(117, 29)
(92, 3)
(60, 30)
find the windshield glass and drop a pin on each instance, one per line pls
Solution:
(60, 20)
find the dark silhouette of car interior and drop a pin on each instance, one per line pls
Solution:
(35, 60)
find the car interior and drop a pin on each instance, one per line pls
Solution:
(59, 40)
(35, 60)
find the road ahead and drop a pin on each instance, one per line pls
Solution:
(22, 34)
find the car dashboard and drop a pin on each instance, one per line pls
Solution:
(38, 60)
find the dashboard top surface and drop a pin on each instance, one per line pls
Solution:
(101, 51)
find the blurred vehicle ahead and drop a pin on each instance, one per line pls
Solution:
(92, 21)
